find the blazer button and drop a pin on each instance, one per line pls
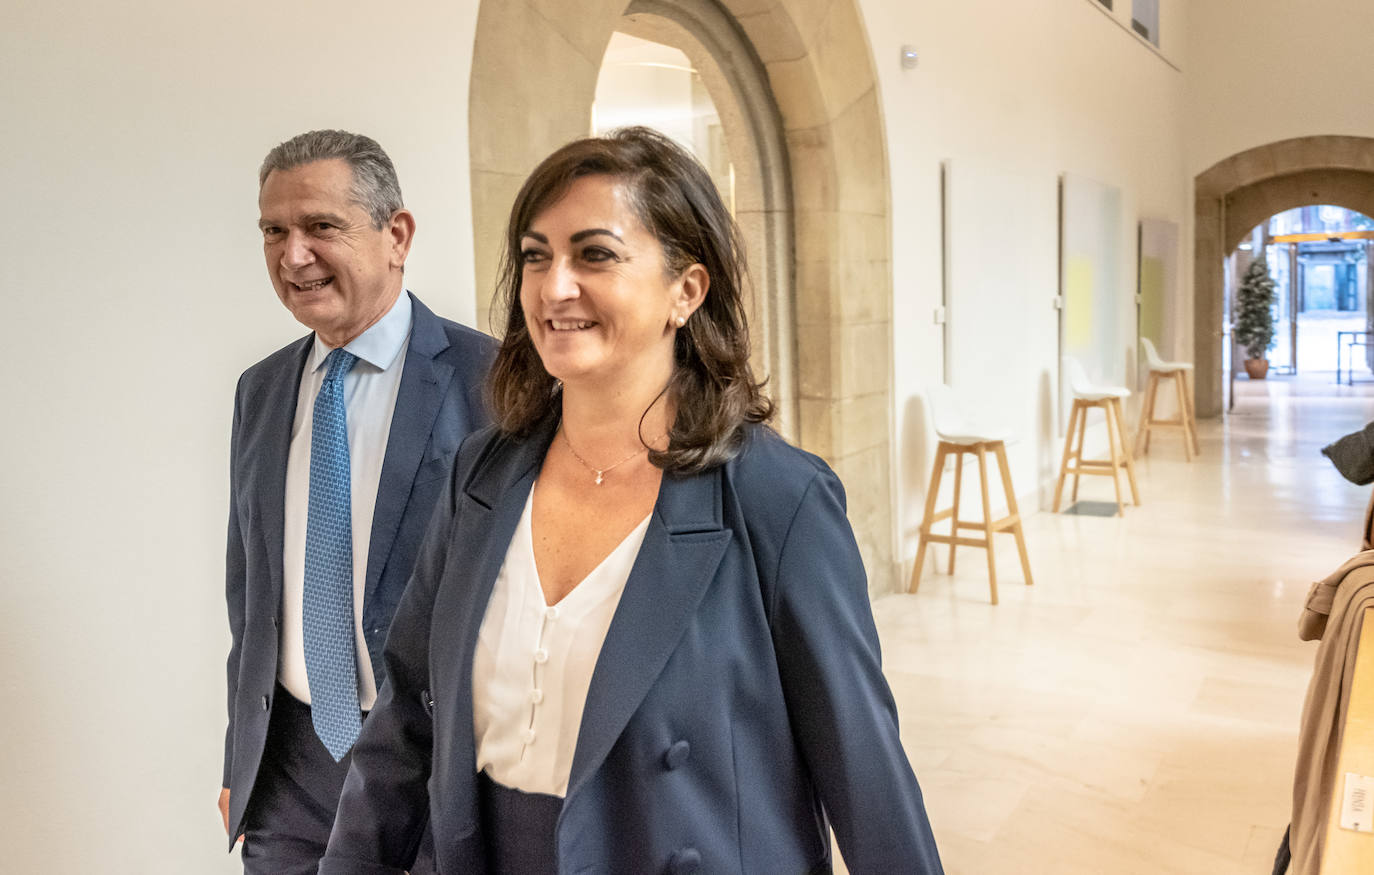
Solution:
(264, 703)
(676, 755)
(685, 862)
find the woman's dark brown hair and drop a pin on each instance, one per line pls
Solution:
(712, 389)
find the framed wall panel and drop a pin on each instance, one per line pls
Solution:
(1157, 285)
(1093, 295)
(999, 286)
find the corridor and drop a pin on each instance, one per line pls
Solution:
(1136, 710)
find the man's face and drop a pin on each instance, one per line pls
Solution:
(333, 270)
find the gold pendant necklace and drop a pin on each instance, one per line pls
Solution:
(599, 472)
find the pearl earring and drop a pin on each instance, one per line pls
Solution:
(681, 321)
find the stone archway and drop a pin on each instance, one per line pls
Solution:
(1233, 196)
(535, 66)
(757, 145)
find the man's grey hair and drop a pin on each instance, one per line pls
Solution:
(375, 187)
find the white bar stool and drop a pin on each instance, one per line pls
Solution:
(958, 437)
(1085, 397)
(1178, 373)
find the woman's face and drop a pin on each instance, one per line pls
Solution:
(598, 301)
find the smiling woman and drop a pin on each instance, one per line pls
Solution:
(676, 236)
(640, 640)
(599, 303)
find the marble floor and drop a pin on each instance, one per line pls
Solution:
(1135, 710)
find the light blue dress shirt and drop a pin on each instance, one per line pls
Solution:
(370, 390)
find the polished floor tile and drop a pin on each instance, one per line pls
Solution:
(1135, 711)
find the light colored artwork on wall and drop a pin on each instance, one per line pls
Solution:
(1093, 293)
(1000, 252)
(1157, 286)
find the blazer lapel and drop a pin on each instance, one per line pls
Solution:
(676, 564)
(424, 385)
(278, 405)
(494, 498)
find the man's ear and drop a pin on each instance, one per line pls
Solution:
(401, 231)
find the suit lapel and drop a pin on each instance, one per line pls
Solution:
(495, 499)
(682, 548)
(278, 406)
(424, 385)
(676, 564)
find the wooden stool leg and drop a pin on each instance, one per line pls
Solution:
(1147, 413)
(1078, 453)
(1064, 463)
(1188, 407)
(1183, 416)
(958, 488)
(1126, 452)
(1001, 449)
(1115, 455)
(932, 491)
(987, 519)
(1155, 389)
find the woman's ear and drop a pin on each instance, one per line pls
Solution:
(692, 285)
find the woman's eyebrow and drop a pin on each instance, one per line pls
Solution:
(592, 232)
(537, 236)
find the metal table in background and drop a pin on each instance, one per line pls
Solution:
(1343, 352)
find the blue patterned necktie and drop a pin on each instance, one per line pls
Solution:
(330, 655)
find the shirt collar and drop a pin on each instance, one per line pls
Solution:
(378, 345)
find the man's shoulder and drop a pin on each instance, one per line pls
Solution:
(289, 357)
(463, 337)
(463, 342)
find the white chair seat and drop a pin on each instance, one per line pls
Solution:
(1170, 367)
(1083, 388)
(967, 438)
(950, 423)
(1157, 364)
(1101, 393)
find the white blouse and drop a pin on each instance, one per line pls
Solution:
(534, 663)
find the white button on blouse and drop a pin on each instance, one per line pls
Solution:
(534, 663)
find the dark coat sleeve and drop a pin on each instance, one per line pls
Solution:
(385, 802)
(1353, 455)
(843, 715)
(235, 586)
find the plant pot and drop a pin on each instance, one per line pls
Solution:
(1257, 368)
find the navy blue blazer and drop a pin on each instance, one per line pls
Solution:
(738, 705)
(438, 403)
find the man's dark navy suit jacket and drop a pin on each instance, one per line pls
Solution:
(438, 404)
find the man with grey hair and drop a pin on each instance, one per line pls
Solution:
(342, 443)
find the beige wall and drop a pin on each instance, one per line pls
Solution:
(1268, 70)
(1032, 91)
(134, 294)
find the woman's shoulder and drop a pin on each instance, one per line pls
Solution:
(769, 469)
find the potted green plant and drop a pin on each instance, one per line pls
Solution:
(1255, 317)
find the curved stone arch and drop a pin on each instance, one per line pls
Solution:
(1248, 187)
(753, 129)
(1249, 206)
(535, 65)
